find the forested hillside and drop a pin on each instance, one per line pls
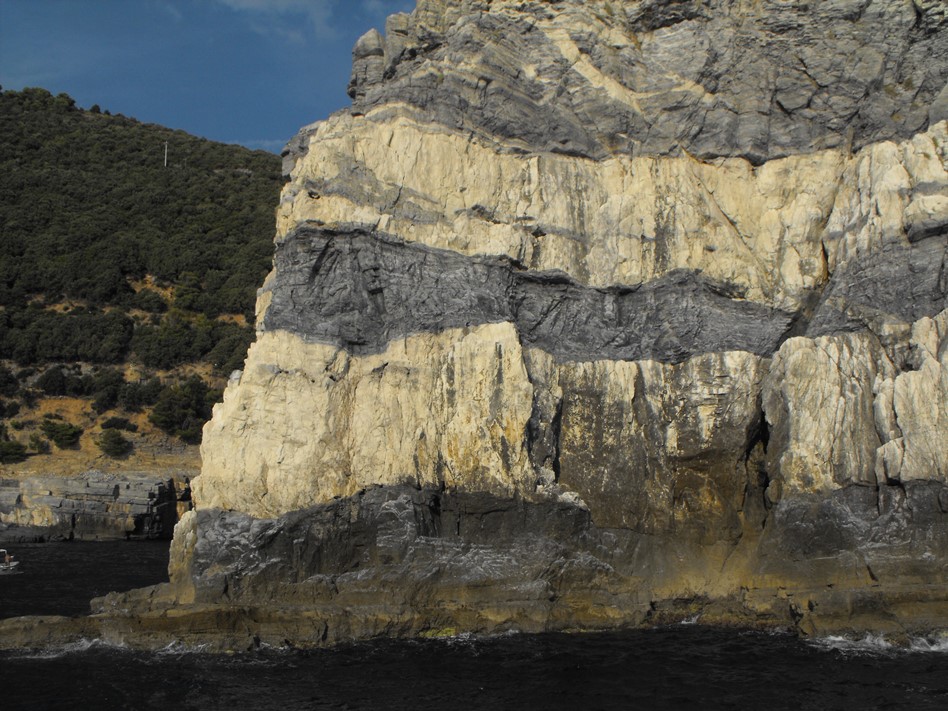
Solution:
(130, 255)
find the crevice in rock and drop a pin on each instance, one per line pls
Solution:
(800, 322)
(556, 425)
(755, 507)
(895, 483)
(542, 438)
(759, 433)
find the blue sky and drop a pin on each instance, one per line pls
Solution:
(239, 71)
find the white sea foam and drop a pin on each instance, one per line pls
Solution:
(928, 645)
(875, 645)
(870, 645)
(179, 648)
(78, 647)
(462, 638)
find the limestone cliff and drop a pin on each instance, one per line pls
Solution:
(591, 313)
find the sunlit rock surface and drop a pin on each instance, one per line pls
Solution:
(592, 314)
(93, 505)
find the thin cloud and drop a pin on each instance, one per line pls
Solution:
(171, 10)
(285, 18)
(293, 20)
(379, 7)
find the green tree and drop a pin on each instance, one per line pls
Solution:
(119, 423)
(38, 444)
(108, 389)
(88, 211)
(53, 381)
(8, 382)
(113, 444)
(11, 451)
(63, 434)
(135, 396)
(9, 409)
(183, 409)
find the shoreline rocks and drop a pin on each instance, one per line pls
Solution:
(93, 505)
(399, 561)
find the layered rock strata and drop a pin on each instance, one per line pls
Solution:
(590, 314)
(91, 506)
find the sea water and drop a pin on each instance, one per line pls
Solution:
(686, 666)
(61, 578)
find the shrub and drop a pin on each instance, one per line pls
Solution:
(8, 382)
(63, 434)
(230, 351)
(119, 423)
(38, 444)
(34, 335)
(52, 381)
(12, 451)
(9, 409)
(150, 301)
(113, 444)
(183, 409)
(137, 395)
(108, 388)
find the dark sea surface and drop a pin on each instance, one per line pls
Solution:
(61, 578)
(679, 667)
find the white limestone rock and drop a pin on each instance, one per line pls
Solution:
(308, 422)
(842, 413)
(917, 448)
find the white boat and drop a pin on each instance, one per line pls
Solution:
(7, 564)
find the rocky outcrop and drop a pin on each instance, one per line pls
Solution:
(90, 506)
(592, 79)
(592, 314)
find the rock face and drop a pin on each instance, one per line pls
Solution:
(91, 506)
(588, 314)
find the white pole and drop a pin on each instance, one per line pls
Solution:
(166, 154)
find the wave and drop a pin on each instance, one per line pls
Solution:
(927, 645)
(877, 645)
(78, 647)
(179, 649)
